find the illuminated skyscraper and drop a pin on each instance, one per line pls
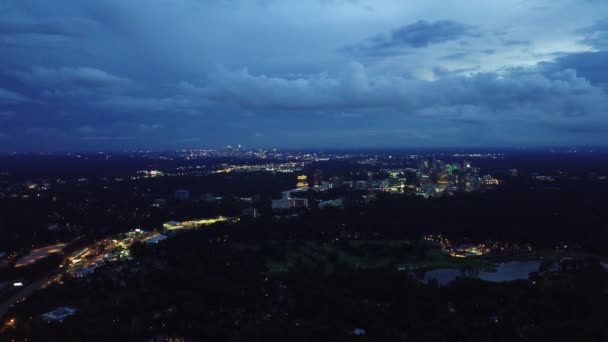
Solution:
(302, 182)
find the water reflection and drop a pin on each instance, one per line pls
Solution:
(507, 271)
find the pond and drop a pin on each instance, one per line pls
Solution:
(507, 271)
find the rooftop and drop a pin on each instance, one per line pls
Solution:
(157, 238)
(59, 314)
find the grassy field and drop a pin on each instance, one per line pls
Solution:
(402, 255)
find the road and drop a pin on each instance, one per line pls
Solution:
(25, 292)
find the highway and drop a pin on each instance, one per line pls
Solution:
(26, 291)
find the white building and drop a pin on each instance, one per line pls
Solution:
(289, 203)
(156, 239)
(58, 314)
(337, 203)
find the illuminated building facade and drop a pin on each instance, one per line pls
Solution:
(302, 182)
(289, 203)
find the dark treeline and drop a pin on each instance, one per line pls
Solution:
(199, 288)
(574, 215)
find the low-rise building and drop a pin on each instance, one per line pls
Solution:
(58, 314)
(159, 202)
(86, 271)
(289, 203)
(359, 332)
(182, 195)
(251, 212)
(337, 203)
(156, 239)
(172, 225)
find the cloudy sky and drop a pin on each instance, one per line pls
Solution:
(167, 74)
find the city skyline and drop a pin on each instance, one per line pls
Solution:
(321, 74)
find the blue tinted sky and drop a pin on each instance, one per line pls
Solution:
(166, 74)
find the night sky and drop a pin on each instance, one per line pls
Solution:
(172, 74)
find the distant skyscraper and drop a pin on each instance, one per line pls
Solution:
(432, 164)
(336, 182)
(325, 185)
(318, 180)
(474, 183)
(424, 166)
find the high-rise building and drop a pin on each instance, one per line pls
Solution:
(336, 182)
(370, 180)
(325, 185)
(432, 164)
(474, 183)
(302, 182)
(318, 178)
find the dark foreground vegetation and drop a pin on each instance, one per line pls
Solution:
(201, 288)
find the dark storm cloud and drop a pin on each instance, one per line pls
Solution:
(118, 74)
(423, 33)
(7, 96)
(514, 42)
(97, 88)
(68, 77)
(596, 35)
(457, 55)
(523, 94)
(6, 114)
(585, 128)
(23, 26)
(18, 30)
(589, 65)
(175, 105)
(417, 35)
